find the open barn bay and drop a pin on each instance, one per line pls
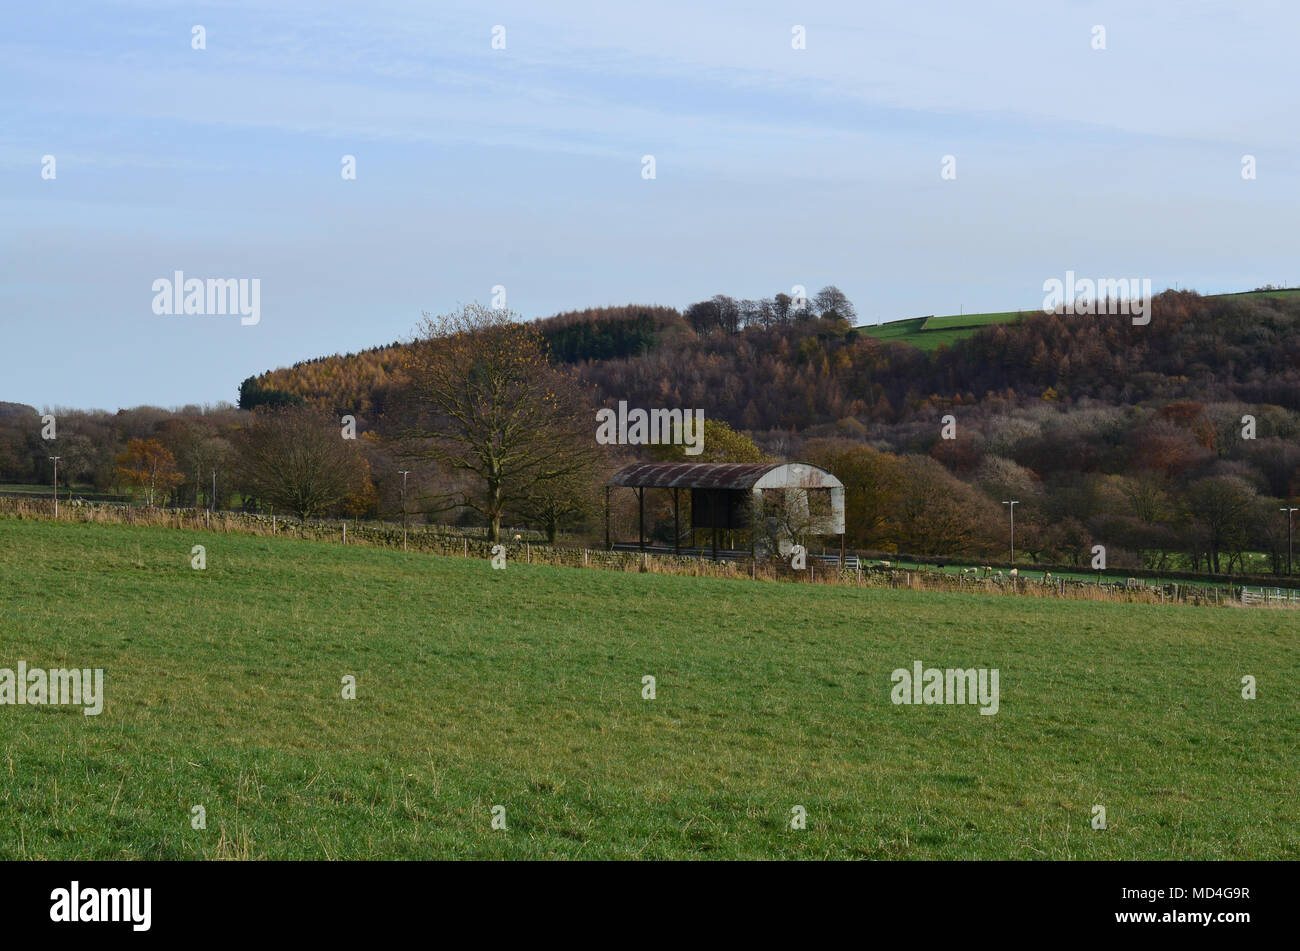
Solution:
(524, 689)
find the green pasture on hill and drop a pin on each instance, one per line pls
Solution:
(928, 333)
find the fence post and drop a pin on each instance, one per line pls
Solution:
(345, 533)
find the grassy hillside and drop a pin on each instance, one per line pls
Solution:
(928, 333)
(523, 688)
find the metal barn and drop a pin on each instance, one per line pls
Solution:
(724, 497)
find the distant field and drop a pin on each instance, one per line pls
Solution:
(523, 688)
(28, 489)
(47, 491)
(1284, 294)
(962, 321)
(929, 333)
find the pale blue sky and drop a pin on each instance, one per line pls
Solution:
(522, 166)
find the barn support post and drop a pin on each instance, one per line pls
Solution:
(608, 546)
(714, 506)
(677, 527)
(640, 498)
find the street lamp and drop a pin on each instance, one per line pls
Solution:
(1289, 546)
(1012, 503)
(405, 473)
(55, 460)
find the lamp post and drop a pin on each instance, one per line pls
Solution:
(1289, 547)
(1011, 507)
(405, 473)
(55, 460)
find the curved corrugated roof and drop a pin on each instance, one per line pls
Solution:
(721, 475)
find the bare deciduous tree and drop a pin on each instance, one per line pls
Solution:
(491, 405)
(297, 459)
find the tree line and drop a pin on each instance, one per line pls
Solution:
(1132, 437)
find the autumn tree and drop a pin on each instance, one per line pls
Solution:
(489, 404)
(721, 444)
(149, 465)
(937, 513)
(872, 481)
(296, 459)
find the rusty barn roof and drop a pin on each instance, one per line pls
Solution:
(699, 475)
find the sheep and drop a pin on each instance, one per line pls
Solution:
(1015, 572)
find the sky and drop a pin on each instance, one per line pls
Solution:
(523, 167)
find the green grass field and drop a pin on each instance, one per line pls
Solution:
(962, 321)
(929, 333)
(1282, 294)
(523, 688)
